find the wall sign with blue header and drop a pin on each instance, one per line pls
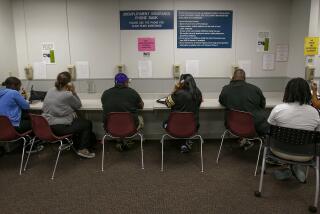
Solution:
(146, 20)
(204, 28)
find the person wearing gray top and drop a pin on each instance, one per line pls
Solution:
(59, 108)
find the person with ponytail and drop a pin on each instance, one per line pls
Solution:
(59, 108)
(186, 97)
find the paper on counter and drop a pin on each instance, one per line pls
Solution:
(145, 68)
(39, 70)
(246, 66)
(268, 61)
(192, 67)
(82, 70)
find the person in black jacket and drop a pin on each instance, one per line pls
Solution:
(243, 96)
(186, 98)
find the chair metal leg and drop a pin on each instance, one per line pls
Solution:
(255, 172)
(55, 166)
(162, 142)
(201, 143)
(141, 147)
(102, 161)
(32, 143)
(258, 193)
(22, 156)
(222, 138)
(307, 172)
(316, 197)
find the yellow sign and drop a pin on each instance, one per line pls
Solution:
(311, 45)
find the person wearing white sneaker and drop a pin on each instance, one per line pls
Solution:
(59, 108)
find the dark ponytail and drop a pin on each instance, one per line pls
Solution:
(62, 80)
(190, 85)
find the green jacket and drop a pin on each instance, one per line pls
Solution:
(243, 96)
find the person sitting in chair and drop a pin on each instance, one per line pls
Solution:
(14, 105)
(297, 113)
(122, 98)
(186, 97)
(242, 96)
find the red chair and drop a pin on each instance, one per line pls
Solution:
(181, 125)
(9, 134)
(120, 125)
(42, 130)
(240, 124)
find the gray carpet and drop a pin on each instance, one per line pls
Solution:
(80, 186)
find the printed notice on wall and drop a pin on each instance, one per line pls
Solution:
(282, 53)
(39, 70)
(268, 61)
(146, 19)
(311, 46)
(246, 66)
(145, 68)
(146, 44)
(263, 41)
(48, 53)
(192, 67)
(82, 69)
(204, 28)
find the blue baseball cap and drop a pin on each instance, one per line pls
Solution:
(121, 79)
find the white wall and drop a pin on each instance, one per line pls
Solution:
(299, 28)
(93, 28)
(8, 56)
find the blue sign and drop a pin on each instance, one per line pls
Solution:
(146, 20)
(204, 29)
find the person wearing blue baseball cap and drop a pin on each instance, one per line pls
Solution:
(122, 98)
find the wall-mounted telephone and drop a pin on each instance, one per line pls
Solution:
(309, 72)
(176, 71)
(29, 72)
(72, 71)
(121, 68)
(233, 69)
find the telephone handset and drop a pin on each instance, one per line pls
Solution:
(72, 71)
(29, 72)
(309, 72)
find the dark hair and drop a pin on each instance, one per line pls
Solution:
(190, 85)
(297, 90)
(11, 82)
(62, 80)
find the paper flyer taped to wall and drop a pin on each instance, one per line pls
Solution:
(48, 53)
(263, 41)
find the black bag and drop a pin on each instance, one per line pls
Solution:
(37, 95)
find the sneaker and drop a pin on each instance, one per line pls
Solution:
(242, 142)
(248, 145)
(298, 172)
(185, 148)
(282, 174)
(273, 162)
(127, 144)
(120, 146)
(35, 149)
(85, 153)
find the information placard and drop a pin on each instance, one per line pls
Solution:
(146, 20)
(204, 28)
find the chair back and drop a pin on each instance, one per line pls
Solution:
(41, 128)
(241, 123)
(181, 124)
(294, 141)
(8, 133)
(120, 124)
